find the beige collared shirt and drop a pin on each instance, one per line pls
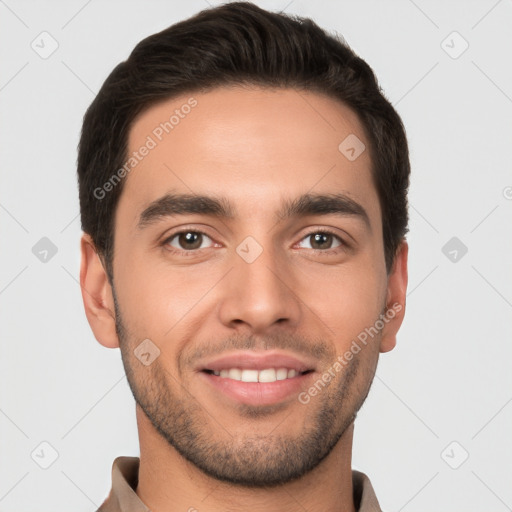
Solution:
(125, 474)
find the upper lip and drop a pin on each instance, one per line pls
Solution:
(258, 360)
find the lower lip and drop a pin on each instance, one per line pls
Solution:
(258, 393)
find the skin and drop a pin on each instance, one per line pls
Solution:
(257, 147)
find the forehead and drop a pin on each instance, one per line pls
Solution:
(256, 145)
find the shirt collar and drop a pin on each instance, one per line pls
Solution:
(125, 476)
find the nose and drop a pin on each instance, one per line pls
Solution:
(260, 294)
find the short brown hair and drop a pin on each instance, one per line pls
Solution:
(237, 43)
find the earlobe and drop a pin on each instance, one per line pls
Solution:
(97, 295)
(396, 296)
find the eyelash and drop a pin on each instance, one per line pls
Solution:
(193, 252)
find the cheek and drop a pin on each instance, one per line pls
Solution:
(348, 299)
(157, 298)
(161, 300)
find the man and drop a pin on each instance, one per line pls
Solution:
(243, 191)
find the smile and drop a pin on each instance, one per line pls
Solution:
(254, 375)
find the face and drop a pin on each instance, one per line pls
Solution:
(249, 256)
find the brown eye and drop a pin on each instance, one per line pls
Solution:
(187, 240)
(322, 240)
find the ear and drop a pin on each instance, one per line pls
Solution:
(97, 295)
(397, 288)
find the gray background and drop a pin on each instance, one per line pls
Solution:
(443, 394)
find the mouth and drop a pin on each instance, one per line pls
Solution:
(257, 378)
(253, 375)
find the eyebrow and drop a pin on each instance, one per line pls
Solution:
(220, 207)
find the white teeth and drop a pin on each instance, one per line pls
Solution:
(235, 374)
(282, 374)
(268, 375)
(249, 376)
(265, 375)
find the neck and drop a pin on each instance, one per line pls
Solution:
(169, 483)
